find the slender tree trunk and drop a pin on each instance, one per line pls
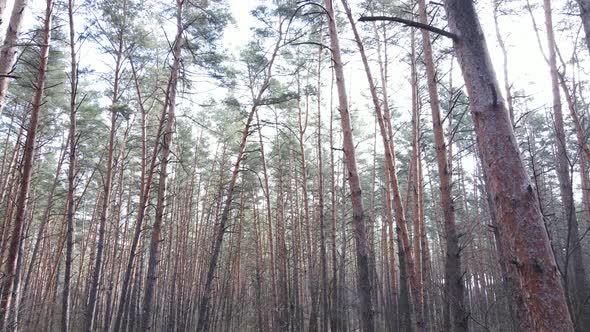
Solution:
(2, 9)
(9, 49)
(582, 142)
(145, 186)
(585, 16)
(91, 310)
(310, 247)
(387, 136)
(203, 321)
(454, 297)
(282, 279)
(323, 254)
(522, 233)
(581, 315)
(43, 223)
(502, 44)
(154, 249)
(65, 321)
(271, 254)
(27, 171)
(420, 241)
(362, 250)
(335, 317)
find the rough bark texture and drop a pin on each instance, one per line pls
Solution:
(8, 51)
(362, 249)
(27, 170)
(453, 276)
(522, 233)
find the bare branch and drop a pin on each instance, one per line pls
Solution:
(410, 23)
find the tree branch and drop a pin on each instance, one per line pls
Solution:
(410, 23)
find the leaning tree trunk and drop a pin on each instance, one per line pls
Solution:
(27, 171)
(454, 298)
(523, 236)
(9, 49)
(362, 248)
(203, 320)
(106, 199)
(154, 249)
(582, 308)
(147, 175)
(412, 272)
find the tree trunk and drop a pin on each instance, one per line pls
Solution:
(27, 171)
(9, 49)
(585, 15)
(145, 186)
(523, 236)
(271, 253)
(203, 321)
(154, 248)
(581, 316)
(362, 249)
(454, 297)
(106, 202)
(65, 321)
(335, 317)
(2, 9)
(502, 44)
(323, 254)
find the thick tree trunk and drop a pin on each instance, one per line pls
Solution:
(27, 170)
(522, 233)
(362, 249)
(9, 49)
